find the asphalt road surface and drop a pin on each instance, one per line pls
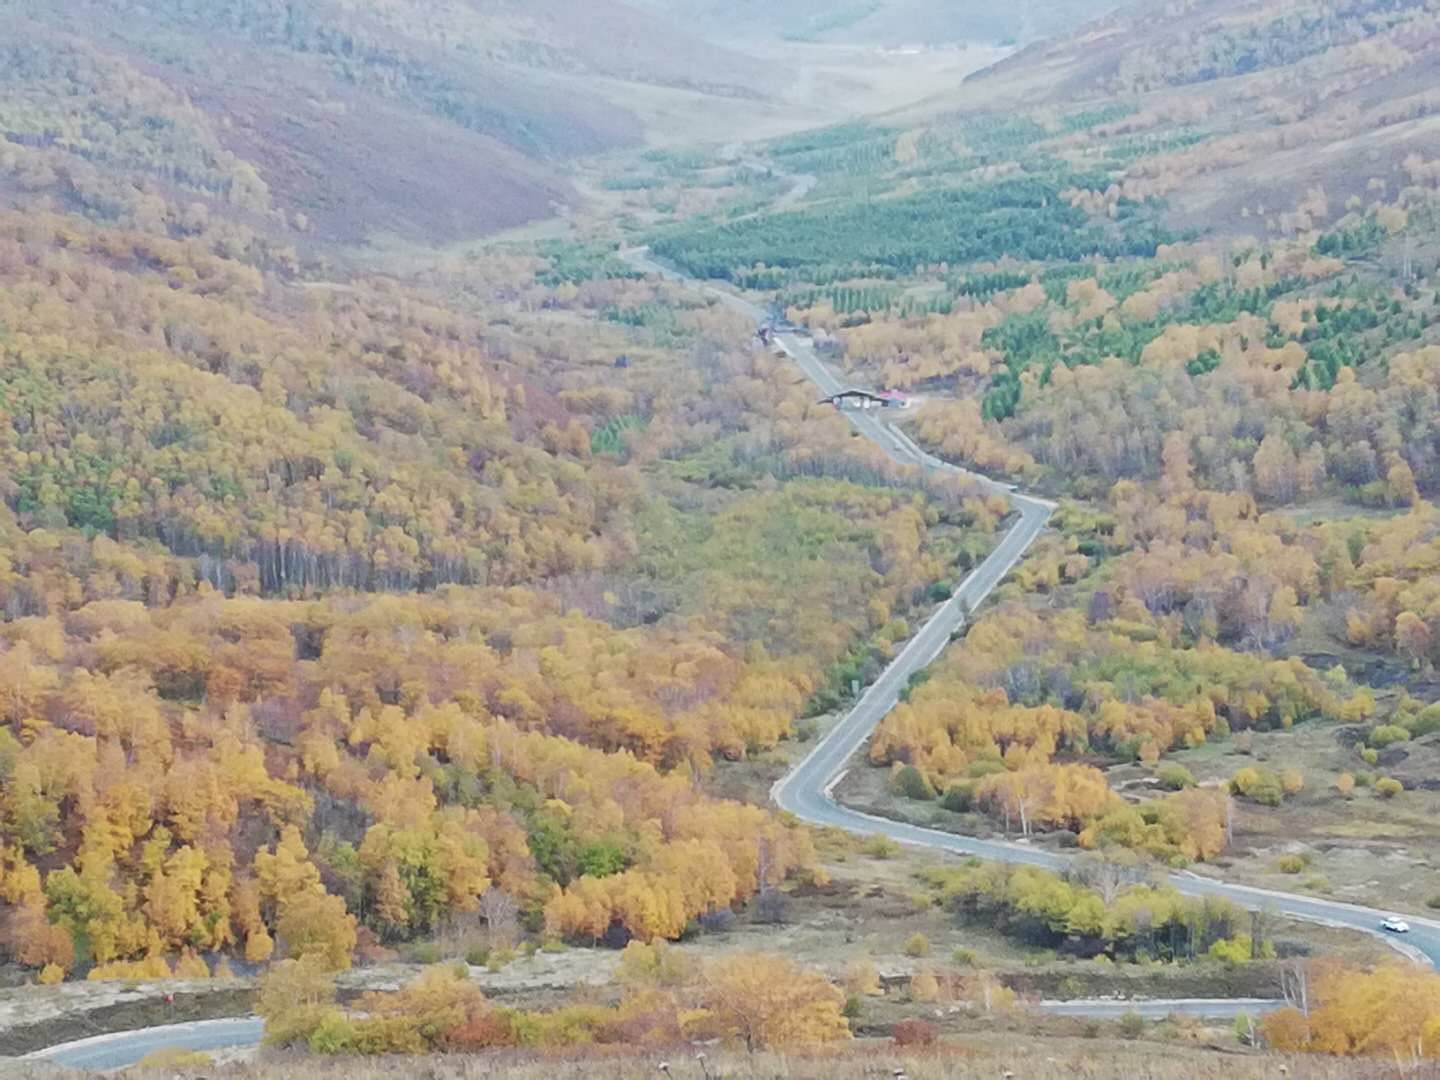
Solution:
(1203, 1008)
(128, 1047)
(805, 790)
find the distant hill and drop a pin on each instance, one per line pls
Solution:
(1282, 99)
(1146, 46)
(399, 117)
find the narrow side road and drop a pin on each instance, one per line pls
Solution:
(1158, 1009)
(806, 790)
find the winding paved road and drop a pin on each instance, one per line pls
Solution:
(806, 790)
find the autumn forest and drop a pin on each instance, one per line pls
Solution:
(379, 586)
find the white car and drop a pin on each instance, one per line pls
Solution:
(1395, 926)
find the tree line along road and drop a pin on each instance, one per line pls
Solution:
(125, 1048)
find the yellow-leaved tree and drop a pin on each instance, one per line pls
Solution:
(762, 1000)
(295, 998)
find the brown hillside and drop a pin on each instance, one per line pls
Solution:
(434, 125)
(355, 165)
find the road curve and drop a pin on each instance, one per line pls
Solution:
(123, 1048)
(806, 790)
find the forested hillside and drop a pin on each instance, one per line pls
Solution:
(398, 603)
(335, 603)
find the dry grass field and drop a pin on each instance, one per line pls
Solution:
(981, 1058)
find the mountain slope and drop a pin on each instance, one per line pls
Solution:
(1233, 110)
(431, 123)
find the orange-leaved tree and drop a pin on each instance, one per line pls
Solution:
(1393, 1010)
